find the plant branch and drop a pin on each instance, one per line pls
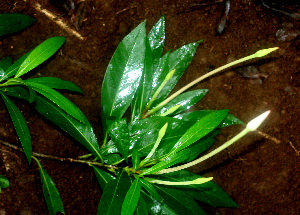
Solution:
(51, 157)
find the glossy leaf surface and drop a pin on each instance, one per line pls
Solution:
(56, 83)
(123, 74)
(119, 134)
(82, 132)
(113, 195)
(208, 192)
(132, 197)
(135, 159)
(40, 54)
(179, 201)
(11, 23)
(20, 126)
(58, 99)
(51, 194)
(5, 63)
(156, 38)
(141, 208)
(185, 100)
(102, 177)
(200, 129)
(169, 161)
(196, 115)
(147, 186)
(180, 59)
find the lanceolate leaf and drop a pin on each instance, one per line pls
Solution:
(58, 99)
(200, 129)
(123, 74)
(114, 194)
(82, 132)
(56, 83)
(198, 148)
(179, 201)
(40, 54)
(119, 133)
(150, 189)
(132, 197)
(180, 59)
(196, 115)
(185, 100)
(20, 126)
(5, 63)
(135, 159)
(169, 161)
(102, 177)
(51, 194)
(12, 70)
(208, 192)
(156, 38)
(11, 23)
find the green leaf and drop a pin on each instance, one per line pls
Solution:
(4, 182)
(157, 208)
(21, 92)
(113, 195)
(156, 38)
(196, 115)
(51, 194)
(142, 207)
(18, 82)
(119, 133)
(198, 148)
(135, 159)
(150, 189)
(185, 100)
(169, 161)
(11, 23)
(56, 83)
(40, 54)
(179, 201)
(200, 129)
(82, 132)
(208, 192)
(20, 126)
(58, 99)
(132, 197)
(102, 177)
(180, 59)
(12, 70)
(123, 74)
(5, 63)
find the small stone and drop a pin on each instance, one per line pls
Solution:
(2, 212)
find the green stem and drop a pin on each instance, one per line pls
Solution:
(260, 53)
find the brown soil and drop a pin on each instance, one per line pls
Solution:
(260, 174)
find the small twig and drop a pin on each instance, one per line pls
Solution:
(121, 11)
(51, 157)
(297, 151)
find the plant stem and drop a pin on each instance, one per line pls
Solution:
(260, 53)
(51, 157)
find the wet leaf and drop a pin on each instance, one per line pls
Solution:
(200, 129)
(58, 99)
(4, 182)
(157, 208)
(82, 132)
(150, 189)
(123, 74)
(208, 192)
(132, 197)
(51, 194)
(196, 115)
(12, 70)
(119, 133)
(102, 177)
(141, 208)
(11, 23)
(113, 195)
(135, 159)
(179, 201)
(180, 59)
(5, 63)
(56, 83)
(169, 161)
(185, 100)
(112, 159)
(20, 126)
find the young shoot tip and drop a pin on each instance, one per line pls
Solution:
(256, 122)
(264, 52)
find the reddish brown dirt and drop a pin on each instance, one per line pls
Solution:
(260, 174)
